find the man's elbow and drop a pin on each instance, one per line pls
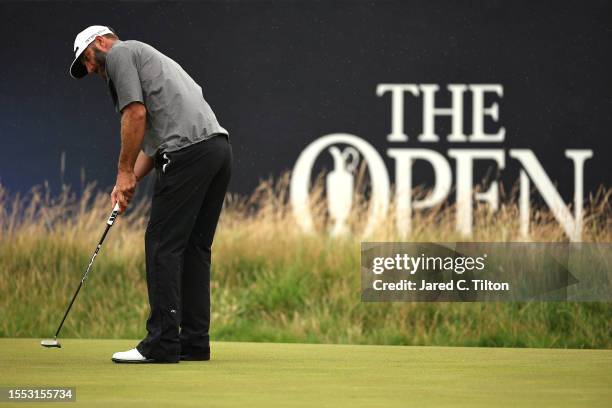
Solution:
(135, 111)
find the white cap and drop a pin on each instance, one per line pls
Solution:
(82, 40)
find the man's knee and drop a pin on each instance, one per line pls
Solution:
(151, 238)
(199, 247)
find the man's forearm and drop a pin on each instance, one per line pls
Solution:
(143, 165)
(133, 122)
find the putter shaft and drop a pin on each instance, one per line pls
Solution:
(109, 224)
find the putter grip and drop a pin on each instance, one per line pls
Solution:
(113, 215)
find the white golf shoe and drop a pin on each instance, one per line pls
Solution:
(130, 356)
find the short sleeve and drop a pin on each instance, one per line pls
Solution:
(122, 71)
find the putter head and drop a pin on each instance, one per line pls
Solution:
(51, 343)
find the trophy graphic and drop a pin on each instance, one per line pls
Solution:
(340, 184)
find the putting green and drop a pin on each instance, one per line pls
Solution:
(309, 375)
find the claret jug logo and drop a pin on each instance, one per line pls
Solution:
(340, 181)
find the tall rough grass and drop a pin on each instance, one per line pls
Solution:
(270, 281)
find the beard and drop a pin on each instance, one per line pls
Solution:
(100, 58)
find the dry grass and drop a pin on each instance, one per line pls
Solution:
(270, 280)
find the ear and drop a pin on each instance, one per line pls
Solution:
(101, 42)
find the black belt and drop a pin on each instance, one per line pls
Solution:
(163, 159)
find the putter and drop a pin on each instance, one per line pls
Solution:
(55, 342)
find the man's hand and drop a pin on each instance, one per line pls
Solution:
(124, 189)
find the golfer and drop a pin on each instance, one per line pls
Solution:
(166, 124)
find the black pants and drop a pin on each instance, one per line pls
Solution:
(188, 196)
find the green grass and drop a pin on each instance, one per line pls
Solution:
(307, 375)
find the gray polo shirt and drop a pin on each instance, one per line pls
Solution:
(177, 114)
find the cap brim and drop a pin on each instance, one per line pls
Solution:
(77, 69)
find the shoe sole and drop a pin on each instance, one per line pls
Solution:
(146, 361)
